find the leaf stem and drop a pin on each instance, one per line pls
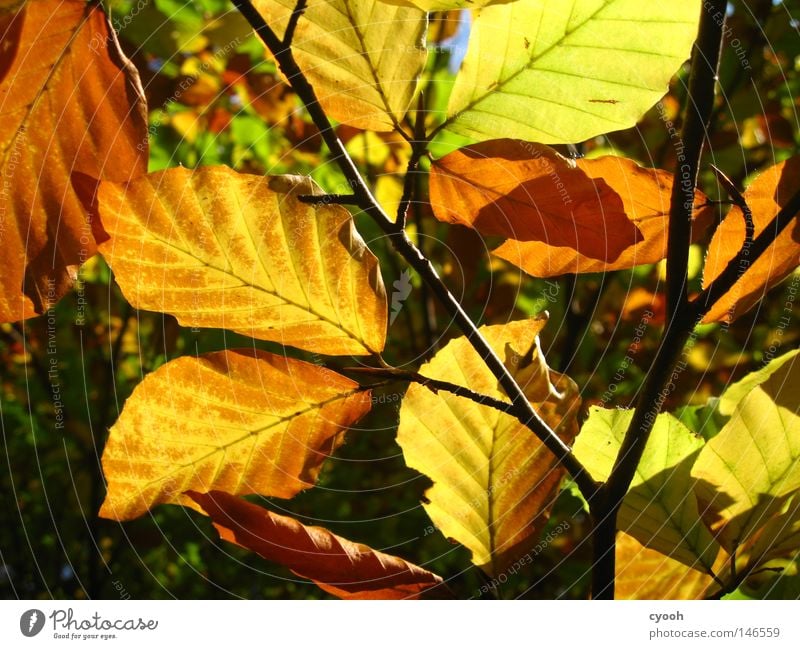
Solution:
(660, 378)
(405, 247)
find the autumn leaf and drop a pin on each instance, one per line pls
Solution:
(555, 72)
(747, 474)
(445, 5)
(241, 421)
(343, 568)
(69, 101)
(643, 573)
(216, 248)
(362, 57)
(494, 481)
(528, 192)
(765, 197)
(642, 194)
(659, 509)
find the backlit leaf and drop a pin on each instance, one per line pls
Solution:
(643, 573)
(445, 5)
(494, 481)
(659, 509)
(240, 421)
(750, 470)
(642, 194)
(765, 197)
(565, 71)
(736, 392)
(363, 57)
(343, 568)
(69, 101)
(216, 248)
(528, 192)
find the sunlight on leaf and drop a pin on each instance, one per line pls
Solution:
(241, 421)
(750, 470)
(567, 71)
(216, 248)
(69, 101)
(659, 509)
(494, 481)
(343, 568)
(765, 197)
(362, 57)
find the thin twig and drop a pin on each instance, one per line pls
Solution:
(604, 509)
(435, 385)
(405, 247)
(288, 35)
(739, 200)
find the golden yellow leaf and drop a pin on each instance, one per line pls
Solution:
(642, 194)
(643, 573)
(765, 197)
(494, 481)
(343, 568)
(238, 421)
(363, 57)
(216, 248)
(69, 101)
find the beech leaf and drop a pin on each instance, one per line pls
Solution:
(69, 101)
(528, 192)
(216, 248)
(343, 568)
(494, 482)
(765, 197)
(642, 194)
(747, 474)
(659, 509)
(363, 57)
(557, 71)
(242, 421)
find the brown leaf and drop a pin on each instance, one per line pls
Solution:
(69, 101)
(765, 197)
(645, 197)
(343, 568)
(529, 192)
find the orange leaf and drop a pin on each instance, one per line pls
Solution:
(645, 197)
(217, 248)
(69, 101)
(528, 192)
(765, 197)
(243, 421)
(338, 566)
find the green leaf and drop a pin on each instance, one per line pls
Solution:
(362, 57)
(749, 472)
(659, 510)
(555, 71)
(736, 392)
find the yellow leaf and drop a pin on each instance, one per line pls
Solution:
(659, 509)
(643, 573)
(362, 57)
(494, 481)
(216, 248)
(345, 569)
(749, 472)
(69, 101)
(238, 421)
(445, 5)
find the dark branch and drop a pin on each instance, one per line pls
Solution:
(659, 378)
(738, 200)
(299, 8)
(404, 246)
(329, 199)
